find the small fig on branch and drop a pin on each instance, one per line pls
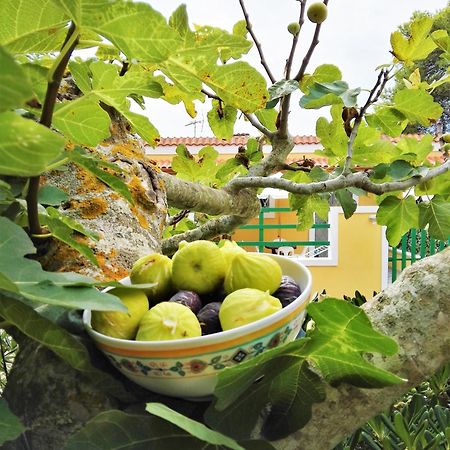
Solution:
(317, 12)
(294, 28)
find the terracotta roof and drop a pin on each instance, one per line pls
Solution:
(237, 139)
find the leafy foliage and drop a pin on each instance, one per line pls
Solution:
(10, 426)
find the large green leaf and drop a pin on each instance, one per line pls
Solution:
(66, 289)
(388, 120)
(193, 427)
(10, 425)
(415, 150)
(325, 73)
(114, 430)
(32, 26)
(418, 45)
(94, 165)
(51, 195)
(26, 148)
(278, 386)
(82, 121)
(221, 119)
(417, 106)
(15, 88)
(399, 216)
(59, 341)
(136, 28)
(436, 213)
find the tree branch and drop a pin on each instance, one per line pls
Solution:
(257, 43)
(290, 60)
(359, 180)
(415, 311)
(258, 126)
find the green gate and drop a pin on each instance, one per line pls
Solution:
(415, 245)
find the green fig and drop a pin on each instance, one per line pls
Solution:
(167, 321)
(253, 270)
(198, 266)
(446, 138)
(246, 306)
(154, 268)
(229, 250)
(294, 28)
(317, 12)
(120, 324)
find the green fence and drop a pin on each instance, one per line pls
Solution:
(261, 227)
(415, 245)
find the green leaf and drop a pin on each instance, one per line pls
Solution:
(325, 73)
(142, 126)
(60, 342)
(347, 202)
(342, 332)
(414, 149)
(322, 94)
(292, 395)
(82, 121)
(305, 207)
(71, 223)
(282, 88)
(417, 106)
(91, 164)
(51, 195)
(277, 385)
(65, 289)
(438, 185)
(332, 134)
(7, 285)
(179, 20)
(399, 216)
(268, 118)
(436, 213)
(193, 427)
(401, 169)
(10, 426)
(221, 119)
(15, 88)
(32, 26)
(227, 168)
(81, 74)
(63, 232)
(114, 430)
(388, 120)
(418, 46)
(26, 148)
(135, 28)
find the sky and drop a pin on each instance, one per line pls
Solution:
(355, 37)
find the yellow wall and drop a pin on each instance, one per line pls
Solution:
(359, 259)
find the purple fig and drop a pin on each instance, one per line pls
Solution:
(288, 291)
(208, 317)
(188, 298)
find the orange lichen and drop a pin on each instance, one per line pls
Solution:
(129, 150)
(90, 208)
(111, 270)
(88, 182)
(140, 217)
(139, 192)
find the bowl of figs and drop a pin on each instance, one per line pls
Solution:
(207, 308)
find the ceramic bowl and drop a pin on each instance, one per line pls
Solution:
(188, 368)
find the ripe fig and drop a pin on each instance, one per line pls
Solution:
(208, 317)
(188, 298)
(198, 266)
(120, 324)
(294, 28)
(229, 250)
(166, 321)
(446, 138)
(246, 306)
(253, 270)
(154, 268)
(216, 296)
(317, 12)
(288, 291)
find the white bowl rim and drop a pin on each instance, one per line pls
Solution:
(202, 341)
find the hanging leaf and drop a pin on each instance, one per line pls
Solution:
(399, 216)
(322, 94)
(347, 202)
(436, 214)
(221, 119)
(51, 195)
(388, 120)
(282, 88)
(10, 426)
(325, 73)
(268, 118)
(305, 207)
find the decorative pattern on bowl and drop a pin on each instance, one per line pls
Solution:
(189, 367)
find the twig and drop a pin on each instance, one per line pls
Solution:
(374, 95)
(210, 94)
(258, 126)
(178, 217)
(54, 81)
(257, 43)
(290, 60)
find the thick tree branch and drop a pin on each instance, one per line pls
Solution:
(414, 311)
(198, 197)
(257, 43)
(359, 180)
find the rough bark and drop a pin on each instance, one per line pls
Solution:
(415, 311)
